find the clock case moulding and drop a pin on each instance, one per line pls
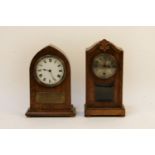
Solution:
(104, 108)
(64, 109)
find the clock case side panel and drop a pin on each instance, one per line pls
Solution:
(92, 107)
(48, 109)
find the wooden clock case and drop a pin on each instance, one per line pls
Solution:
(104, 108)
(63, 90)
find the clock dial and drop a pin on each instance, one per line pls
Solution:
(50, 70)
(104, 66)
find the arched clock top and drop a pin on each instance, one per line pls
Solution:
(50, 50)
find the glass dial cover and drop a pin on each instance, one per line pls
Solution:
(104, 65)
(50, 70)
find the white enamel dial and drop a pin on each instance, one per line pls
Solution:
(50, 70)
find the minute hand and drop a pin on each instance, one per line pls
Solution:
(52, 75)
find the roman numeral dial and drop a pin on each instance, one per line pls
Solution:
(50, 70)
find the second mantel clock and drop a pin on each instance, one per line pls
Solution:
(104, 78)
(50, 84)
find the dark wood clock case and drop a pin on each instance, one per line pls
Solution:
(112, 85)
(50, 101)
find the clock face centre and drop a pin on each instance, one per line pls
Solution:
(50, 70)
(104, 66)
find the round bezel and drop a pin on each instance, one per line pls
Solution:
(42, 83)
(110, 58)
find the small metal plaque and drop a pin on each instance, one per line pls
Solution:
(53, 98)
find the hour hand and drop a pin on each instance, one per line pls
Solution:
(45, 70)
(52, 75)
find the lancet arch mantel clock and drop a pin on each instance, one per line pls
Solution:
(104, 80)
(50, 85)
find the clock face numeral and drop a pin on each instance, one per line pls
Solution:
(40, 75)
(50, 70)
(59, 76)
(104, 66)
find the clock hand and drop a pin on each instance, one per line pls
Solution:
(45, 70)
(50, 71)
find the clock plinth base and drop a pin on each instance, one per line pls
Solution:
(94, 111)
(55, 113)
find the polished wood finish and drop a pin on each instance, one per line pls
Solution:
(50, 109)
(100, 108)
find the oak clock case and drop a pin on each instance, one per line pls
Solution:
(104, 80)
(50, 85)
